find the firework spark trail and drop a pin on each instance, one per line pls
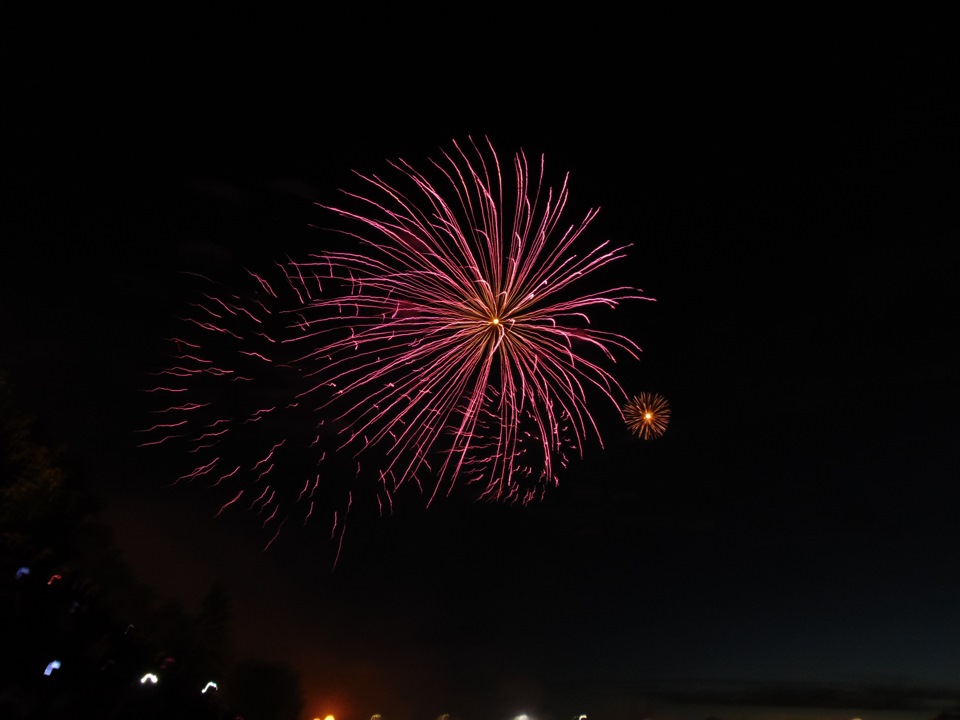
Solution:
(444, 303)
(243, 411)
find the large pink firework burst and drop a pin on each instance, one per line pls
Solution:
(450, 342)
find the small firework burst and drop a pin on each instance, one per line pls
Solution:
(647, 415)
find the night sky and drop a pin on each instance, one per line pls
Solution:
(789, 549)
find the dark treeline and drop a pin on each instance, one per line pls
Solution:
(80, 636)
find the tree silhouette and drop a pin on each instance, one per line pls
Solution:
(67, 596)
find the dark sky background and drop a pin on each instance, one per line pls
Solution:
(790, 195)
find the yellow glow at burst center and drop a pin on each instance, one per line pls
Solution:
(648, 416)
(496, 321)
